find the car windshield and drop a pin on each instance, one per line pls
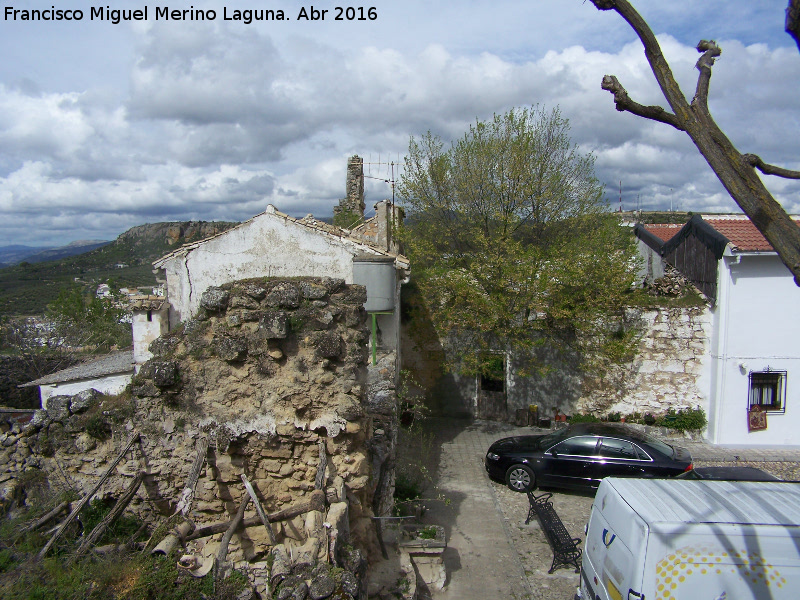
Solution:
(552, 438)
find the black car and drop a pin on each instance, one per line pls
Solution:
(580, 455)
(731, 473)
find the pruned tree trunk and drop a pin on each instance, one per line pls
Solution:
(43, 552)
(736, 171)
(187, 496)
(96, 533)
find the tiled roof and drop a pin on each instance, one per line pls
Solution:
(142, 303)
(111, 364)
(741, 232)
(345, 235)
(664, 231)
(738, 229)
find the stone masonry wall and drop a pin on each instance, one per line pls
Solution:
(267, 370)
(668, 371)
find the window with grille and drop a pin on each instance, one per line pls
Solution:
(768, 390)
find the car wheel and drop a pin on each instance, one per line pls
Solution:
(520, 478)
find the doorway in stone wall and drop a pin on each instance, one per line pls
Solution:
(491, 386)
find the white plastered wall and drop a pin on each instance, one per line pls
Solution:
(757, 326)
(266, 246)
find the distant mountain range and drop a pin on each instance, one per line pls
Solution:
(37, 275)
(13, 255)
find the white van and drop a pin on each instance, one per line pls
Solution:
(653, 539)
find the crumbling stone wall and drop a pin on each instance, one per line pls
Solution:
(266, 370)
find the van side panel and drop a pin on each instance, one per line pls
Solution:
(723, 561)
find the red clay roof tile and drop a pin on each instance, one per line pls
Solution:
(739, 229)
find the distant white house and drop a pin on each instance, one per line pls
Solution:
(109, 374)
(753, 372)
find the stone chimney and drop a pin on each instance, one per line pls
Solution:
(350, 211)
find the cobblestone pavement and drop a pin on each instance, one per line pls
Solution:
(491, 553)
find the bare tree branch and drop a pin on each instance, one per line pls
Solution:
(755, 161)
(710, 52)
(735, 171)
(624, 103)
(793, 20)
(658, 64)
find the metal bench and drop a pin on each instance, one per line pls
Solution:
(565, 547)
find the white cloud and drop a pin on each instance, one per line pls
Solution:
(215, 120)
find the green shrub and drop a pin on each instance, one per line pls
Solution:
(97, 428)
(120, 530)
(429, 533)
(6, 559)
(614, 417)
(685, 419)
(581, 418)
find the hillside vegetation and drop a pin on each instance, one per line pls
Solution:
(27, 288)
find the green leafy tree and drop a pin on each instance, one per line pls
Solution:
(512, 240)
(80, 320)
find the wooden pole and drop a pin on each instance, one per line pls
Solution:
(46, 518)
(315, 502)
(43, 552)
(319, 481)
(185, 502)
(223, 547)
(119, 507)
(259, 509)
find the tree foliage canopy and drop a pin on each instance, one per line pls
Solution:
(80, 321)
(511, 237)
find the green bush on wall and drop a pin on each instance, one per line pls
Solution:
(685, 419)
(581, 418)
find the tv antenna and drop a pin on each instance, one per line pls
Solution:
(390, 172)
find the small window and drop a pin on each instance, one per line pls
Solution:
(768, 390)
(613, 448)
(578, 446)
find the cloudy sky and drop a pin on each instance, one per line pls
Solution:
(105, 126)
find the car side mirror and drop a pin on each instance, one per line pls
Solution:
(553, 452)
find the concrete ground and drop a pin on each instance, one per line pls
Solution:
(491, 553)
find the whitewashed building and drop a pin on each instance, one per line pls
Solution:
(753, 366)
(273, 244)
